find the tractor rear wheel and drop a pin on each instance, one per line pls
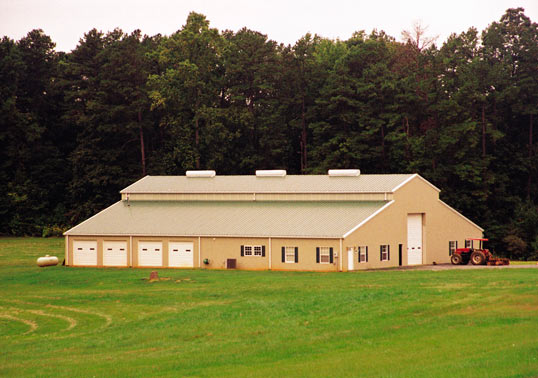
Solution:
(456, 259)
(478, 258)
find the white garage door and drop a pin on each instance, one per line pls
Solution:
(414, 239)
(150, 254)
(85, 253)
(115, 253)
(180, 254)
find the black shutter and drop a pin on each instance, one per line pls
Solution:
(242, 250)
(359, 249)
(331, 254)
(380, 253)
(366, 253)
(283, 254)
(388, 252)
(449, 250)
(296, 254)
(317, 255)
(263, 251)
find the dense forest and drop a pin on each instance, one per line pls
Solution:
(77, 127)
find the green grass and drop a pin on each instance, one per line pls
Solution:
(62, 321)
(523, 262)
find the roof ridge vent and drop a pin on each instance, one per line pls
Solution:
(344, 172)
(271, 173)
(201, 173)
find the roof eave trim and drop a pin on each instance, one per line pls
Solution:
(367, 219)
(255, 192)
(134, 183)
(462, 216)
(89, 235)
(411, 178)
(69, 232)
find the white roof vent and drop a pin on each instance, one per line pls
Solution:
(344, 172)
(201, 173)
(271, 173)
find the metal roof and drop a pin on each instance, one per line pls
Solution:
(253, 184)
(241, 219)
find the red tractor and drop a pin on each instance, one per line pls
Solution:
(478, 256)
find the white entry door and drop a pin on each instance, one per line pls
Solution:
(150, 253)
(350, 259)
(85, 253)
(414, 239)
(180, 254)
(115, 253)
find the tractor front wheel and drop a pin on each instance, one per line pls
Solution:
(478, 258)
(456, 259)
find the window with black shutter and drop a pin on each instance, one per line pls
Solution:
(363, 255)
(452, 245)
(324, 255)
(384, 254)
(291, 254)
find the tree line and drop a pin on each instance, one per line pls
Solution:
(77, 127)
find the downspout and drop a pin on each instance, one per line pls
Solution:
(341, 256)
(199, 253)
(270, 254)
(131, 250)
(66, 250)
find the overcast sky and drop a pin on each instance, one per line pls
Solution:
(66, 21)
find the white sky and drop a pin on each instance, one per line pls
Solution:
(66, 21)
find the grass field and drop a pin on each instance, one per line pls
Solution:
(69, 322)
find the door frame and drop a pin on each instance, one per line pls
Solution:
(350, 258)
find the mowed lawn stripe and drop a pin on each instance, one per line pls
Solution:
(238, 323)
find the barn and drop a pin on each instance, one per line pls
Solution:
(341, 221)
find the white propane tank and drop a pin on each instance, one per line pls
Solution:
(47, 261)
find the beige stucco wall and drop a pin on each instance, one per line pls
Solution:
(440, 225)
(388, 227)
(218, 250)
(306, 252)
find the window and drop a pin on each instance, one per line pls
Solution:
(250, 250)
(467, 244)
(363, 254)
(384, 252)
(452, 246)
(324, 255)
(291, 254)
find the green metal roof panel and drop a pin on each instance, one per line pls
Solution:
(241, 219)
(253, 184)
